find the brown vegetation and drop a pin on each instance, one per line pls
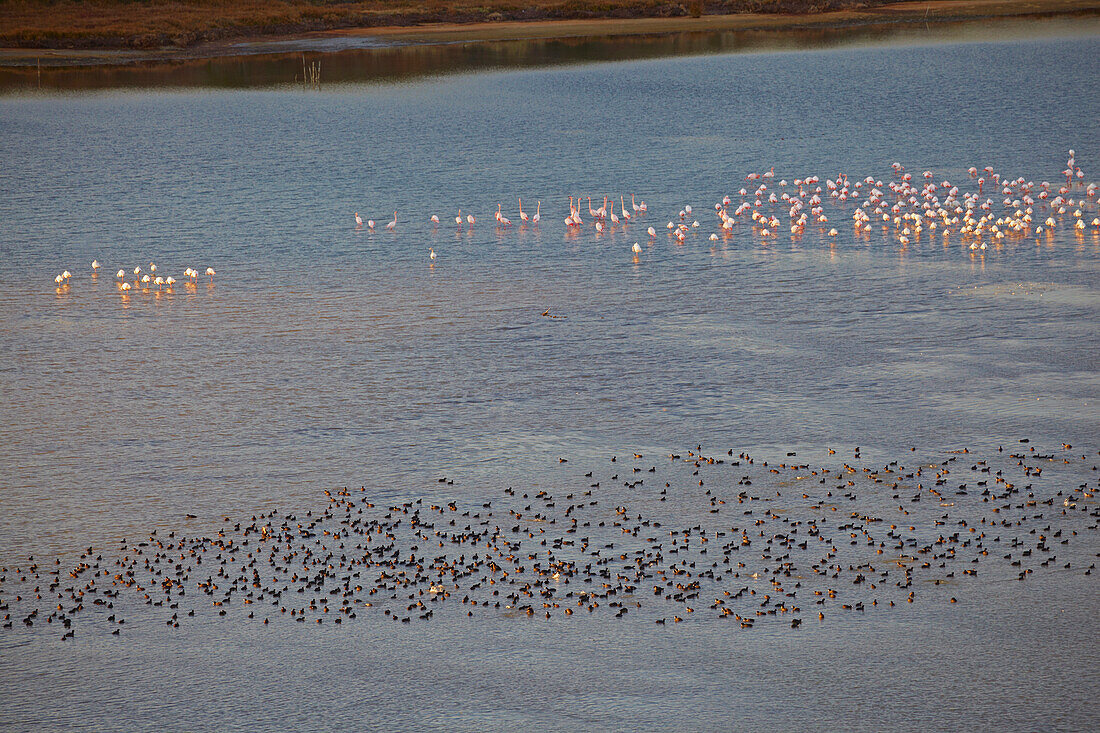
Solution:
(182, 23)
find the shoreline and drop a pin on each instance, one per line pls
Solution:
(366, 38)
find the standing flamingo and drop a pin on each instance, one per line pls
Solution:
(538, 215)
(522, 214)
(393, 223)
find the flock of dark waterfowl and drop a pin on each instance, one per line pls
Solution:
(691, 535)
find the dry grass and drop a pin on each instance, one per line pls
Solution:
(154, 23)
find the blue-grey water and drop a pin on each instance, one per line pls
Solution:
(324, 355)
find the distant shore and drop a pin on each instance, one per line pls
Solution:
(110, 32)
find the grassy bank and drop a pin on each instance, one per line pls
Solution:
(181, 24)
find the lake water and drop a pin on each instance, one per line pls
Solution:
(323, 355)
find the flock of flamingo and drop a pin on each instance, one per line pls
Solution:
(143, 280)
(999, 208)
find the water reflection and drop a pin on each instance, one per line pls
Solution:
(401, 62)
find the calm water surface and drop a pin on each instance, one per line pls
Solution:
(360, 59)
(324, 356)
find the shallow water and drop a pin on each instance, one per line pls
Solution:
(324, 356)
